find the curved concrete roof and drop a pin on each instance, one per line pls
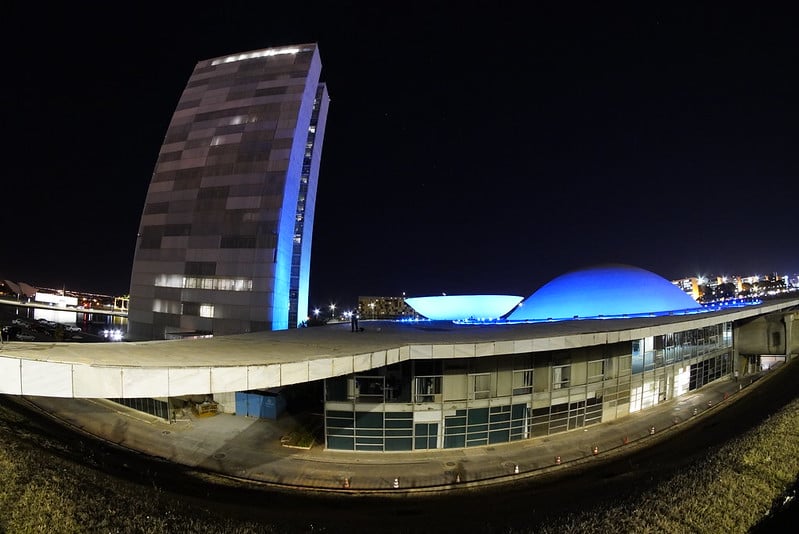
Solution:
(274, 359)
(612, 290)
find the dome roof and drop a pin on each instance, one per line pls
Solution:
(462, 307)
(606, 291)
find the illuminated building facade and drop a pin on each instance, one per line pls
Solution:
(608, 341)
(467, 400)
(225, 237)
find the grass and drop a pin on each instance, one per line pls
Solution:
(299, 437)
(730, 491)
(305, 433)
(42, 490)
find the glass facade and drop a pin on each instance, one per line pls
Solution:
(468, 402)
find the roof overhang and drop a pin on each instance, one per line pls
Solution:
(274, 359)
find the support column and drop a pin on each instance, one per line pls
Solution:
(740, 363)
(788, 320)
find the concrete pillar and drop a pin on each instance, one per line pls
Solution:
(740, 363)
(788, 319)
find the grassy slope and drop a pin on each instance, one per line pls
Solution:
(730, 491)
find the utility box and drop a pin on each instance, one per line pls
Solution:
(261, 404)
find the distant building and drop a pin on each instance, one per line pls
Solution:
(689, 286)
(384, 308)
(224, 242)
(55, 299)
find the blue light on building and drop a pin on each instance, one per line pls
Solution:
(463, 307)
(604, 291)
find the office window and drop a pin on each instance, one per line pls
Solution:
(596, 371)
(560, 376)
(480, 386)
(522, 382)
(427, 389)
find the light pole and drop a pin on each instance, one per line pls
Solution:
(372, 305)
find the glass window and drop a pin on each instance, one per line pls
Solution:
(638, 357)
(480, 385)
(596, 371)
(560, 376)
(427, 388)
(522, 382)
(370, 388)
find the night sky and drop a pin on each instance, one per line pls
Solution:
(470, 148)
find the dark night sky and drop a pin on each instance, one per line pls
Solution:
(470, 148)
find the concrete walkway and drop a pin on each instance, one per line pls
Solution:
(248, 448)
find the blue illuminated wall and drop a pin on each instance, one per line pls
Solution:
(607, 290)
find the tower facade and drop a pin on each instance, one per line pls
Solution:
(224, 241)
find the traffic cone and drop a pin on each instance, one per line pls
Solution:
(557, 460)
(595, 450)
(651, 430)
(626, 440)
(457, 478)
(346, 483)
(396, 482)
(516, 469)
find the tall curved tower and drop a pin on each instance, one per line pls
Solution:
(224, 242)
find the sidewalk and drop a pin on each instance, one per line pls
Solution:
(250, 449)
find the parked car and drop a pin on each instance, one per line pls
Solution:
(72, 328)
(25, 337)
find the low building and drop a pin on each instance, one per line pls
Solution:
(419, 385)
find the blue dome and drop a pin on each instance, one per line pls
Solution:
(605, 290)
(463, 307)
